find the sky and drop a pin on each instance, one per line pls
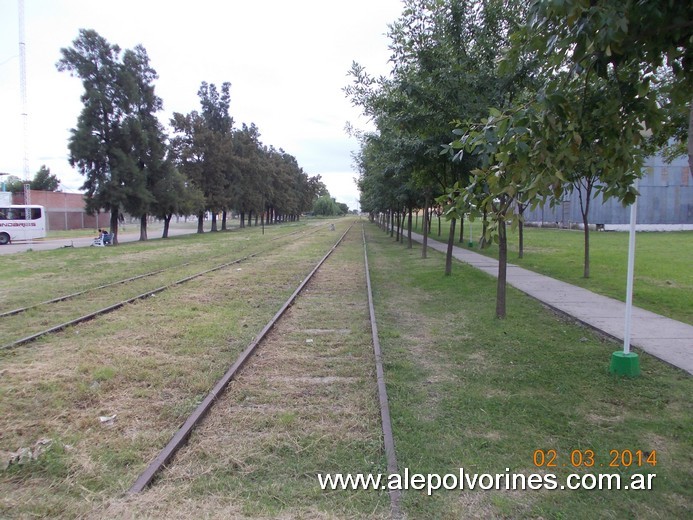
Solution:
(287, 62)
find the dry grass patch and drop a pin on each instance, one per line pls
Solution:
(299, 408)
(142, 369)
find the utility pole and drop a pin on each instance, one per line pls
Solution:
(25, 114)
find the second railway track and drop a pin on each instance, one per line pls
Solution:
(145, 368)
(24, 325)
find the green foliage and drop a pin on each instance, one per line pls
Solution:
(44, 180)
(326, 206)
(118, 144)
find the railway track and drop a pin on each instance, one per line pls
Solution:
(49, 312)
(147, 366)
(311, 362)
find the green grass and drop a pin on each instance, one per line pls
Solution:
(663, 276)
(466, 390)
(469, 391)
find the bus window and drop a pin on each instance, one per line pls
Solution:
(17, 214)
(35, 213)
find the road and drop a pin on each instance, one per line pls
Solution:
(131, 235)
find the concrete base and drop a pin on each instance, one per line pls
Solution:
(623, 364)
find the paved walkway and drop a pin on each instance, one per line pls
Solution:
(664, 338)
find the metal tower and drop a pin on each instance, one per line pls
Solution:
(25, 114)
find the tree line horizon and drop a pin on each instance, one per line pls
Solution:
(493, 106)
(208, 164)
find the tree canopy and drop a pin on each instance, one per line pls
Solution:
(494, 105)
(207, 165)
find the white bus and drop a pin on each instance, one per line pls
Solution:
(22, 223)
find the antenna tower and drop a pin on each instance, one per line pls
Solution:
(25, 114)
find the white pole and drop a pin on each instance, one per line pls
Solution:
(631, 266)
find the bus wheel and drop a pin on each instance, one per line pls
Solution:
(4, 239)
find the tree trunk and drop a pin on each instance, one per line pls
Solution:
(585, 211)
(521, 239)
(409, 242)
(502, 269)
(223, 220)
(586, 268)
(114, 226)
(201, 222)
(214, 222)
(438, 225)
(451, 243)
(690, 138)
(167, 221)
(143, 228)
(424, 247)
(462, 229)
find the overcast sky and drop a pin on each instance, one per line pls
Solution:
(287, 62)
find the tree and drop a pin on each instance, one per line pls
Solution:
(326, 206)
(117, 144)
(643, 47)
(44, 180)
(174, 195)
(203, 149)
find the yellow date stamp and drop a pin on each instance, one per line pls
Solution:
(588, 459)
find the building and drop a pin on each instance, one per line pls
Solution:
(64, 210)
(666, 197)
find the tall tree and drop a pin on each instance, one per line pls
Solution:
(118, 144)
(94, 143)
(203, 148)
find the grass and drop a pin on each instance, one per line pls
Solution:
(466, 390)
(469, 391)
(663, 277)
(148, 364)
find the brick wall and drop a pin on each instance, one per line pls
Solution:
(64, 210)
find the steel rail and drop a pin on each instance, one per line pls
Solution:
(73, 295)
(388, 438)
(111, 308)
(111, 284)
(181, 436)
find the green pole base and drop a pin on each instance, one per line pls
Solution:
(623, 364)
(470, 244)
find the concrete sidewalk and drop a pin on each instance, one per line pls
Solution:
(667, 339)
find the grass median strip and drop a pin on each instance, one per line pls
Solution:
(663, 278)
(467, 390)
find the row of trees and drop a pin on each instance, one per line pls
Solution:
(131, 165)
(492, 106)
(43, 180)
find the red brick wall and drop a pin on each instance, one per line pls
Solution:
(64, 210)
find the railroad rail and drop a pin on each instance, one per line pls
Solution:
(181, 437)
(110, 308)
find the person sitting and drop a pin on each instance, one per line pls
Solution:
(98, 241)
